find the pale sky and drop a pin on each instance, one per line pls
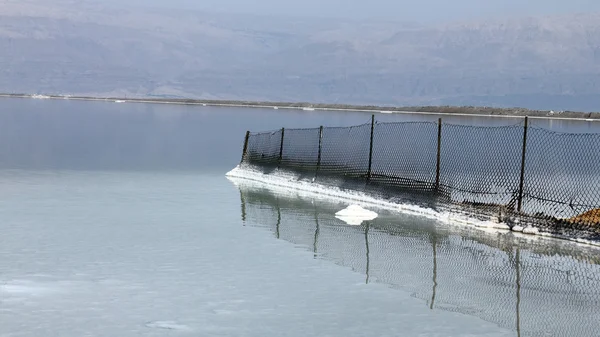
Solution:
(404, 10)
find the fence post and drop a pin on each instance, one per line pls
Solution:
(439, 156)
(320, 149)
(520, 200)
(281, 146)
(371, 148)
(245, 150)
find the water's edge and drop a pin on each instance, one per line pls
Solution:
(470, 111)
(288, 181)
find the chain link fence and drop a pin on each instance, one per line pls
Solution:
(517, 174)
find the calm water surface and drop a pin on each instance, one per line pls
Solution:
(117, 220)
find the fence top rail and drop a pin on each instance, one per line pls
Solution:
(346, 127)
(302, 129)
(407, 123)
(563, 133)
(478, 127)
(484, 127)
(268, 132)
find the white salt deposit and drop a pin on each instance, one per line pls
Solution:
(357, 211)
(289, 183)
(354, 215)
(531, 230)
(351, 221)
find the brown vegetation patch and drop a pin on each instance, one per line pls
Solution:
(591, 217)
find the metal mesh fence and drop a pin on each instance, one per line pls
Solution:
(535, 288)
(345, 151)
(480, 166)
(300, 148)
(263, 148)
(562, 176)
(404, 155)
(512, 173)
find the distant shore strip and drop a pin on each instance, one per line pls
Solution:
(471, 111)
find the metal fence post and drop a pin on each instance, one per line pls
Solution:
(245, 150)
(439, 156)
(281, 146)
(371, 148)
(320, 149)
(522, 180)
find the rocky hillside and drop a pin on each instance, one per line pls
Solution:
(74, 48)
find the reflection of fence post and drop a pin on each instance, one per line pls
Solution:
(518, 271)
(281, 146)
(439, 151)
(367, 248)
(320, 147)
(433, 240)
(371, 148)
(245, 150)
(520, 201)
(243, 201)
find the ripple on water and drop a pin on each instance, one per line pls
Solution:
(26, 288)
(168, 325)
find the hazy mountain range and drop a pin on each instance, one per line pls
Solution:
(73, 47)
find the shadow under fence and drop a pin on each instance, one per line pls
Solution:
(517, 174)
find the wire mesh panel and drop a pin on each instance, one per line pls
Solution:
(345, 151)
(562, 176)
(300, 149)
(479, 169)
(481, 165)
(405, 154)
(263, 148)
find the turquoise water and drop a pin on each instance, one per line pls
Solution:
(117, 220)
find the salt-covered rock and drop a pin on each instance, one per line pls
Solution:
(354, 215)
(531, 230)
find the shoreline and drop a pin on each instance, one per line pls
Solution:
(447, 216)
(471, 111)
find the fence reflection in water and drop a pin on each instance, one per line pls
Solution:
(550, 288)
